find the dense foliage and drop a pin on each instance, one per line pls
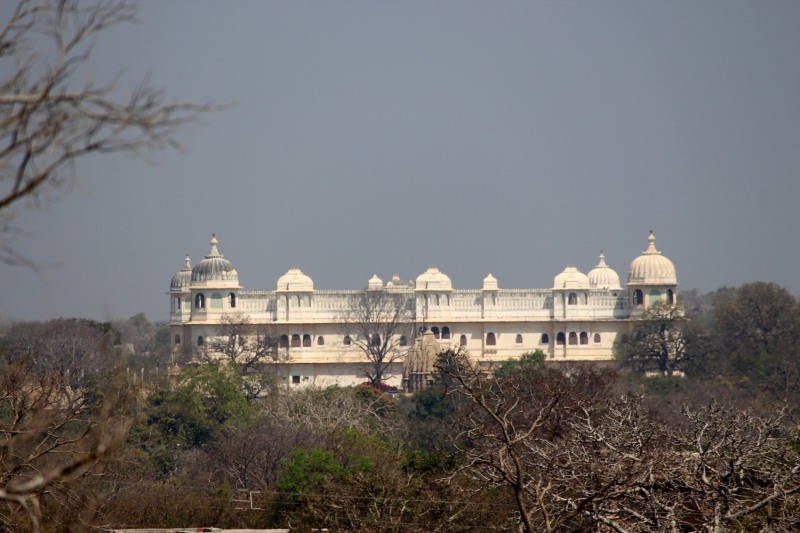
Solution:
(695, 430)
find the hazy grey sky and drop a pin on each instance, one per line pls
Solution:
(383, 137)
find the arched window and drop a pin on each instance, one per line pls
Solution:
(298, 301)
(560, 338)
(446, 299)
(584, 337)
(320, 341)
(545, 339)
(494, 299)
(177, 303)
(638, 297)
(585, 299)
(491, 340)
(346, 340)
(462, 341)
(445, 332)
(295, 341)
(177, 339)
(519, 339)
(435, 299)
(231, 299)
(216, 301)
(403, 340)
(435, 331)
(670, 296)
(597, 338)
(199, 341)
(306, 341)
(284, 342)
(375, 340)
(199, 301)
(573, 299)
(573, 338)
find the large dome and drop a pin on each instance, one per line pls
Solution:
(181, 281)
(294, 280)
(214, 267)
(432, 279)
(603, 277)
(652, 268)
(571, 278)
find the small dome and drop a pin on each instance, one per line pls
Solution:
(603, 277)
(181, 281)
(571, 278)
(375, 283)
(432, 279)
(490, 283)
(652, 268)
(396, 283)
(214, 267)
(294, 280)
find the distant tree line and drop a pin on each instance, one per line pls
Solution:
(744, 341)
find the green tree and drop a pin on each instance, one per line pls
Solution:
(206, 400)
(756, 337)
(663, 340)
(526, 362)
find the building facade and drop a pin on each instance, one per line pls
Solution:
(577, 319)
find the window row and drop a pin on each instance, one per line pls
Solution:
(296, 341)
(491, 339)
(215, 301)
(305, 341)
(653, 297)
(574, 339)
(444, 333)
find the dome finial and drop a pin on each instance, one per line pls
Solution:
(188, 265)
(214, 251)
(651, 247)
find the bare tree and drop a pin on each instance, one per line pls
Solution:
(378, 324)
(53, 430)
(326, 410)
(514, 436)
(253, 347)
(575, 458)
(70, 348)
(49, 119)
(250, 459)
(243, 342)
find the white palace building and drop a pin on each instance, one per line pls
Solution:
(577, 319)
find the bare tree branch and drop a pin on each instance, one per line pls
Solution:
(48, 119)
(377, 323)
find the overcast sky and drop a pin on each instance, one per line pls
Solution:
(383, 137)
